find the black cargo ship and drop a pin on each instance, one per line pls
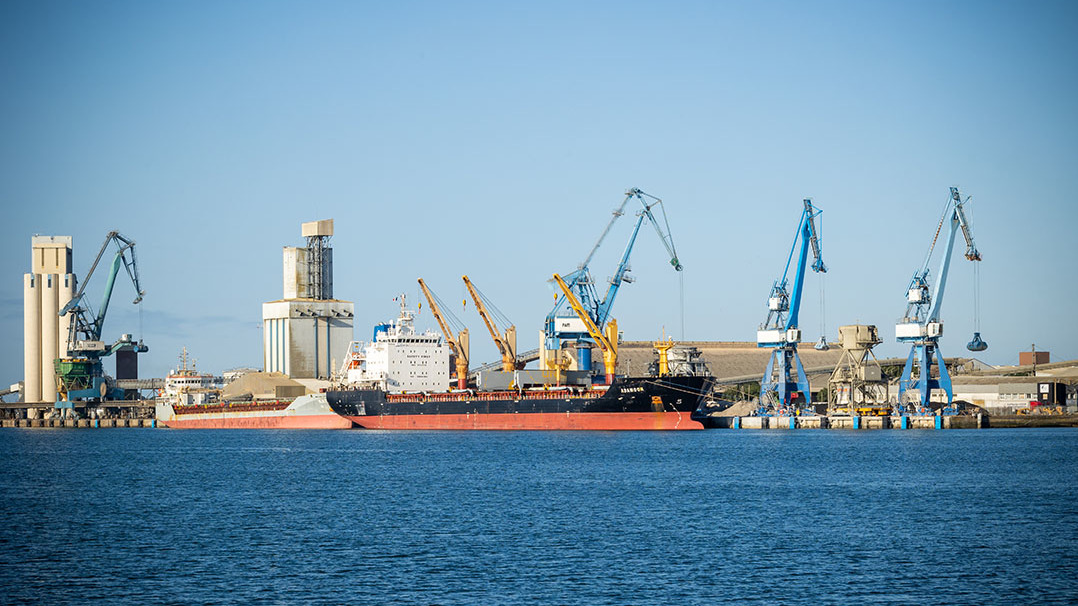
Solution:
(637, 403)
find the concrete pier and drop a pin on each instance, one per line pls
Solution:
(853, 423)
(78, 423)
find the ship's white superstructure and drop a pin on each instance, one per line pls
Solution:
(186, 386)
(399, 359)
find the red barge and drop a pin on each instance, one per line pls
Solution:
(304, 412)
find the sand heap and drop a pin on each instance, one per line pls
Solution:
(742, 408)
(262, 385)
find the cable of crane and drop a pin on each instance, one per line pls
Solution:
(935, 237)
(454, 322)
(976, 343)
(822, 345)
(681, 279)
(500, 318)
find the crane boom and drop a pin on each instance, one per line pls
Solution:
(922, 325)
(785, 375)
(458, 342)
(80, 374)
(507, 343)
(602, 310)
(618, 212)
(607, 343)
(84, 321)
(582, 285)
(809, 237)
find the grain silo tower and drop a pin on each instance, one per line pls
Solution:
(46, 289)
(307, 332)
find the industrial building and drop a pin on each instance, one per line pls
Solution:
(305, 335)
(46, 289)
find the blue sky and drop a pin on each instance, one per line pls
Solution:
(494, 139)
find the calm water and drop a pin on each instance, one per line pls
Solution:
(804, 517)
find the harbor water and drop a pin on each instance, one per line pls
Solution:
(153, 516)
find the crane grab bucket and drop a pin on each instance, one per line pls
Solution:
(977, 344)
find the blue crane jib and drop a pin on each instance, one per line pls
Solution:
(561, 322)
(80, 372)
(784, 376)
(922, 326)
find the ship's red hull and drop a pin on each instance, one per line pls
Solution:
(329, 421)
(601, 421)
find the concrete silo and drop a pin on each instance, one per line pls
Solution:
(46, 289)
(306, 333)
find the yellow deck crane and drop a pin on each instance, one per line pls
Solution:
(507, 342)
(459, 342)
(663, 347)
(608, 343)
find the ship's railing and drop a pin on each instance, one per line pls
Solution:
(187, 409)
(486, 396)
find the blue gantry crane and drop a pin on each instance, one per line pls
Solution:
(563, 322)
(80, 374)
(921, 326)
(784, 378)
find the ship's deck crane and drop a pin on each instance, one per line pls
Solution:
(459, 342)
(921, 326)
(785, 374)
(80, 374)
(559, 325)
(608, 343)
(507, 342)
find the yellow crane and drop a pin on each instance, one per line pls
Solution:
(663, 347)
(608, 343)
(458, 342)
(507, 343)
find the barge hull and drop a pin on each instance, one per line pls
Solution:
(263, 422)
(305, 412)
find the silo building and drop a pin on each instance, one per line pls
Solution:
(307, 332)
(46, 290)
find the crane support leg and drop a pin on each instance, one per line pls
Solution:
(925, 356)
(944, 382)
(907, 372)
(785, 375)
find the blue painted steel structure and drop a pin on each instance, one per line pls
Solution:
(85, 378)
(582, 285)
(921, 326)
(785, 375)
